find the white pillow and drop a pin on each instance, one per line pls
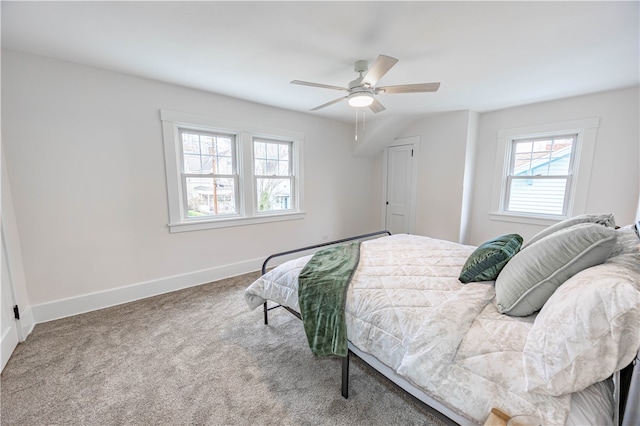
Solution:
(279, 285)
(588, 329)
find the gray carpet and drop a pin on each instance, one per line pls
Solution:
(191, 357)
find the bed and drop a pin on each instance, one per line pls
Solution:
(540, 328)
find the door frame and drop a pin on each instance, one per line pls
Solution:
(415, 142)
(9, 340)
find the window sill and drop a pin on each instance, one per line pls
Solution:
(227, 223)
(528, 219)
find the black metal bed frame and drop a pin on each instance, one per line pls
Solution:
(623, 377)
(345, 360)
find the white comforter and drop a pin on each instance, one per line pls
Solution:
(406, 307)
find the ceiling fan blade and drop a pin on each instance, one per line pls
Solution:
(376, 106)
(335, 101)
(379, 68)
(409, 88)
(324, 86)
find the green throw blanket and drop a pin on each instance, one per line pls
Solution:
(322, 289)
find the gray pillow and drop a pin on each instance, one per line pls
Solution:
(486, 262)
(531, 277)
(602, 219)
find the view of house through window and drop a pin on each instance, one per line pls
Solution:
(273, 174)
(209, 173)
(539, 175)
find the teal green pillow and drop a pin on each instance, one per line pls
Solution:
(486, 262)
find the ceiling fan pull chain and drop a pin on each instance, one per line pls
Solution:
(364, 121)
(356, 123)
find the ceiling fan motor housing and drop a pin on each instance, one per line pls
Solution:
(357, 83)
(361, 66)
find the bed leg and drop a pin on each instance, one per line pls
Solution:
(345, 376)
(266, 319)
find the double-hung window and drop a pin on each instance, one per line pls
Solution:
(273, 174)
(209, 174)
(223, 174)
(542, 172)
(539, 177)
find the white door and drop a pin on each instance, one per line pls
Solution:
(8, 324)
(400, 188)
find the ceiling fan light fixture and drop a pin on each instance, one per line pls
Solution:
(360, 99)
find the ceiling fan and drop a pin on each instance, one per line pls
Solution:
(362, 90)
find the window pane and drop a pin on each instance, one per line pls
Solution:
(561, 156)
(283, 168)
(273, 194)
(206, 199)
(260, 150)
(223, 154)
(260, 157)
(272, 167)
(190, 143)
(540, 196)
(206, 144)
(260, 167)
(224, 165)
(284, 152)
(197, 163)
(272, 151)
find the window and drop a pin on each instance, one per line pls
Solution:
(539, 176)
(209, 174)
(273, 174)
(230, 174)
(542, 172)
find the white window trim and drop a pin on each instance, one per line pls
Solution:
(172, 121)
(586, 129)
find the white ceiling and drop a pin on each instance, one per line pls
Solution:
(487, 55)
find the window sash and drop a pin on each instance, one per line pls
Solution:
(265, 184)
(267, 202)
(278, 160)
(541, 159)
(215, 205)
(546, 193)
(212, 207)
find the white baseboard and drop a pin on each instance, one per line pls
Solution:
(26, 323)
(90, 302)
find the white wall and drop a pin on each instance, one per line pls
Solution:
(84, 154)
(84, 157)
(443, 149)
(14, 266)
(469, 170)
(614, 182)
(458, 154)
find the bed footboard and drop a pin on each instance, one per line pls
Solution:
(303, 249)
